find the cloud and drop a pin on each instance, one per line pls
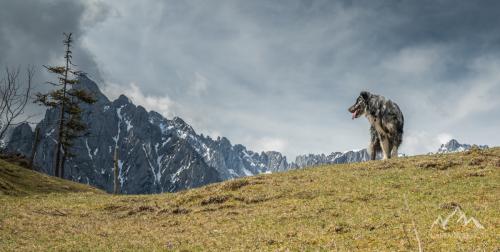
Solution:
(95, 12)
(198, 83)
(422, 142)
(282, 69)
(444, 138)
(269, 144)
(31, 34)
(290, 69)
(483, 88)
(414, 61)
(160, 104)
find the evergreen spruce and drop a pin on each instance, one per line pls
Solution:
(66, 98)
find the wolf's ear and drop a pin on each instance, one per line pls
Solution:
(365, 95)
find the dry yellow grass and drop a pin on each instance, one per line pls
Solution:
(336, 207)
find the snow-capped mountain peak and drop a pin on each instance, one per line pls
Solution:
(454, 146)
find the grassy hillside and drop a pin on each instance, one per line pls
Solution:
(15, 180)
(380, 205)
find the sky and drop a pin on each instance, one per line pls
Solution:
(279, 75)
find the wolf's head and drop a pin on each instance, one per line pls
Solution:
(359, 107)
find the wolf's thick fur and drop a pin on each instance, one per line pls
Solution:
(386, 120)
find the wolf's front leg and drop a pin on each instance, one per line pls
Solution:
(372, 150)
(374, 146)
(373, 154)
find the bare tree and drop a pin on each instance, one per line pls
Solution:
(14, 95)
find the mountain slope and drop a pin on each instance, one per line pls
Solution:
(16, 180)
(348, 207)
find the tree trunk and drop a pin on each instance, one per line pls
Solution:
(116, 187)
(63, 161)
(34, 146)
(59, 166)
(57, 161)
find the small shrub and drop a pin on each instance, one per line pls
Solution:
(235, 184)
(476, 174)
(340, 228)
(497, 163)
(217, 199)
(141, 209)
(450, 205)
(178, 210)
(437, 165)
(115, 208)
(476, 161)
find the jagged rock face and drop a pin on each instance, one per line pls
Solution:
(151, 159)
(334, 158)
(275, 160)
(6, 137)
(21, 139)
(310, 160)
(155, 154)
(350, 157)
(454, 146)
(229, 161)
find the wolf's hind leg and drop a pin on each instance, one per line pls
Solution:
(384, 143)
(394, 152)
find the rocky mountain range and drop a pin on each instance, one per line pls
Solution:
(353, 156)
(362, 155)
(155, 154)
(454, 146)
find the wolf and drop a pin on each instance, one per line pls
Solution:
(386, 120)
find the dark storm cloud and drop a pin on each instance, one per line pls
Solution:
(280, 74)
(31, 33)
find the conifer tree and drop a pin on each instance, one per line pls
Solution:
(66, 98)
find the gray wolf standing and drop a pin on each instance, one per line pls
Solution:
(386, 120)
